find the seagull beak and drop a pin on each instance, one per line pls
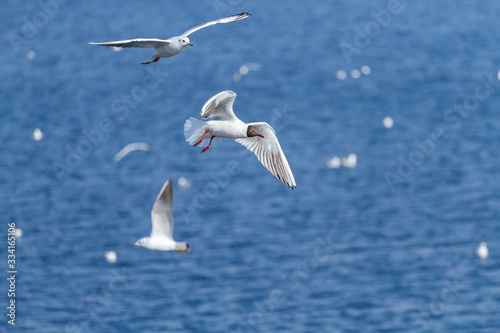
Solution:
(181, 251)
(190, 44)
(135, 244)
(261, 136)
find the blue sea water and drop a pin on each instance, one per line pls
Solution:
(387, 246)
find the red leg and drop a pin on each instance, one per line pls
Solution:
(156, 59)
(197, 143)
(207, 147)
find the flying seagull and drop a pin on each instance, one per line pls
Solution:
(163, 225)
(169, 47)
(130, 148)
(259, 138)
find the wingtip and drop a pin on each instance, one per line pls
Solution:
(243, 15)
(168, 183)
(163, 191)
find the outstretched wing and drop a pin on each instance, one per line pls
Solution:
(145, 43)
(269, 153)
(228, 19)
(161, 214)
(220, 106)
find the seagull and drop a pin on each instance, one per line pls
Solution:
(482, 250)
(259, 138)
(350, 161)
(168, 47)
(163, 225)
(130, 148)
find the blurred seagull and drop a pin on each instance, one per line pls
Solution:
(244, 69)
(259, 138)
(482, 250)
(169, 47)
(110, 256)
(129, 148)
(37, 134)
(334, 162)
(163, 225)
(184, 183)
(350, 161)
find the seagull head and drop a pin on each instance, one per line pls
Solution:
(182, 247)
(253, 131)
(141, 242)
(184, 41)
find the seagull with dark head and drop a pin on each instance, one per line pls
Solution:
(163, 225)
(259, 138)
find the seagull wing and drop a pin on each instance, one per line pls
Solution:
(145, 43)
(129, 148)
(228, 19)
(269, 153)
(220, 106)
(161, 214)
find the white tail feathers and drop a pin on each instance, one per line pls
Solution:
(194, 130)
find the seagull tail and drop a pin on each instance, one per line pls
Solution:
(194, 130)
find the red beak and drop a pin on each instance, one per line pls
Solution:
(190, 44)
(261, 136)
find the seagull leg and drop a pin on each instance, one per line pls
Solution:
(207, 147)
(149, 62)
(197, 143)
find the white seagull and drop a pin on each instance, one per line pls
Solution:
(482, 250)
(130, 148)
(259, 138)
(163, 225)
(169, 47)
